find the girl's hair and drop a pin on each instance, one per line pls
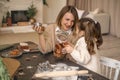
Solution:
(92, 31)
(64, 10)
(98, 34)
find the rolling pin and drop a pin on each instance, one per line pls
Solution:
(60, 73)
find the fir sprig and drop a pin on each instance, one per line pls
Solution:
(31, 12)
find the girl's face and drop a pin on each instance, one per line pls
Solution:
(67, 21)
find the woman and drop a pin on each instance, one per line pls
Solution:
(85, 51)
(65, 25)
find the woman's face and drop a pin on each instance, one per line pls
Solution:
(67, 21)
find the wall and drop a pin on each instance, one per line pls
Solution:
(2, 9)
(51, 11)
(23, 5)
(45, 14)
(19, 37)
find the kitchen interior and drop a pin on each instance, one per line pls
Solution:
(46, 14)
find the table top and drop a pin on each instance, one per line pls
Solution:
(30, 60)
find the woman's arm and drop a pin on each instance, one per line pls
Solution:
(46, 39)
(42, 43)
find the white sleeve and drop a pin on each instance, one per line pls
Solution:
(80, 52)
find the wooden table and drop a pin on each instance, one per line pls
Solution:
(30, 60)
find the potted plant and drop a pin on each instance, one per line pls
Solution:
(8, 18)
(31, 12)
(45, 2)
(4, 23)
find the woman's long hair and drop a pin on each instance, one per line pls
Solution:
(64, 10)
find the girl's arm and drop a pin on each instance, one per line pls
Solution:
(80, 52)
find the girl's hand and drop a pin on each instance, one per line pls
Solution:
(68, 48)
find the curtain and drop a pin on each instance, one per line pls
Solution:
(80, 4)
(112, 7)
(71, 2)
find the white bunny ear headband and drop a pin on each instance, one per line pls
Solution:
(95, 22)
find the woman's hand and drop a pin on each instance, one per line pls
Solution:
(39, 29)
(68, 48)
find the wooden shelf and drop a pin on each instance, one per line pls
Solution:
(16, 29)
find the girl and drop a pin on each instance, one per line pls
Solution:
(85, 51)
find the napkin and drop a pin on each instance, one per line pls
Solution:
(62, 75)
(61, 71)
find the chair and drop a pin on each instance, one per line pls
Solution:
(110, 68)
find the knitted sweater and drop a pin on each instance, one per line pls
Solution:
(50, 38)
(82, 57)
